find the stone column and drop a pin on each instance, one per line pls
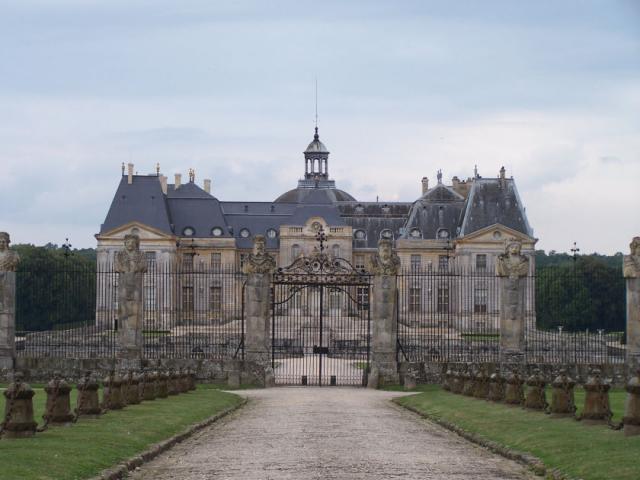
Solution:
(259, 268)
(8, 264)
(631, 272)
(384, 325)
(131, 266)
(512, 269)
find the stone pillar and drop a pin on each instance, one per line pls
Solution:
(631, 272)
(259, 268)
(384, 324)
(131, 266)
(8, 264)
(512, 269)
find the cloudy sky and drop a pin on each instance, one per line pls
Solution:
(549, 89)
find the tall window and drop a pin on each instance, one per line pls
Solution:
(241, 259)
(481, 262)
(443, 263)
(150, 257)
(416, 262)
(187, 299)
(443, 298)
(415, 299)
(215, 301)
(362, 295)
(150, 299)
(335, 251)
(187, 261)
(216, 261)
(295, 251)
(480, 296)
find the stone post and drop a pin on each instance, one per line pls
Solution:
(512, 269)
(631, 272)
(131, 266)
(259, 268)
(384, 325)
(8, 264)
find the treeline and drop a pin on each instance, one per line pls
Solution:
(585, 292)
(55, 288)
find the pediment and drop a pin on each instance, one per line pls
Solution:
(144, 231)
(442, 193)
(498, 233)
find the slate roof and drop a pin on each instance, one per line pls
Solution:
(314, 195)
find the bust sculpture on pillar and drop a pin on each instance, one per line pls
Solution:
(131, 266)
(258, 266)
(631, 272)
(512, 267)
(384, 330)
(8, 264)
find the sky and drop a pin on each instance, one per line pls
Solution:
(549, 89)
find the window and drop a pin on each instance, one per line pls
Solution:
(241, 259)
(443, 263)
(416, 262)
(295, 251)
(362, 295)
(188, 232)
(385, 208)
(443, 233)
(359, 209)
(216, 261)
(359, 262)
(245, 233)
(480, 295)
(215, 300)
(150, 257)
(335, 251)
(187, 261)
(216, 231)
(481, 262)
(415, 299)
(150, 299)
(443, 298)
(271, 233)
(187, 299)
(386, 233)
(415, 233)
(359, 235)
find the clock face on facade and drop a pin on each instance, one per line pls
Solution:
(216, 231)
(315, 226)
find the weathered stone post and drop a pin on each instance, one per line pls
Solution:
(512, 269)
(18, 410)
(131, 266)
(384, 326)
(631, 419)
(631, 272)
(259, 268)
(562, 396)
(8, 264)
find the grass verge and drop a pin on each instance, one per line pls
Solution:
(92, 445)
(577, 450)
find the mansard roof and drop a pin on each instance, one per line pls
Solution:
(315, 195)
(491, 201)
(141, 201)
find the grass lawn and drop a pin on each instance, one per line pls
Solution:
(91, 445)
(578, 450)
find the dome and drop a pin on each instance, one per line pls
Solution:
(315, 196)
(316, 146)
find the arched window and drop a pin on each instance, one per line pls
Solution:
(295, 251)
(335, 251)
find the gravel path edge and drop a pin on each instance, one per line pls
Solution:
(531, 461)
(122, 469)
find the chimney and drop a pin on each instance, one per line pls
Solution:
(163, 184)
(130, 173)
(178, 181)
(455, 181)
(207, 185)
(425, 185)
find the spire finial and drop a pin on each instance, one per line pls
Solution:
(316, 105)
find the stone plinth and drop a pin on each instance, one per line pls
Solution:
(7, 318)
(18, 410)
(384, 329)
(58, 406)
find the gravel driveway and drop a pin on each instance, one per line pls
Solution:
(326, 433)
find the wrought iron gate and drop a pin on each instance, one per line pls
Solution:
(320, 322)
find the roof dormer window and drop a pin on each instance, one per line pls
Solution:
(188, 231)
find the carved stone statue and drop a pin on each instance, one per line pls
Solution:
(512, 267)
(131, 266)
(259, 261)
(8, 258)
(385, 261)
(631, 265)
(512, 263)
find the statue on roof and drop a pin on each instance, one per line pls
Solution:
(439, 177)
(631, 263)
